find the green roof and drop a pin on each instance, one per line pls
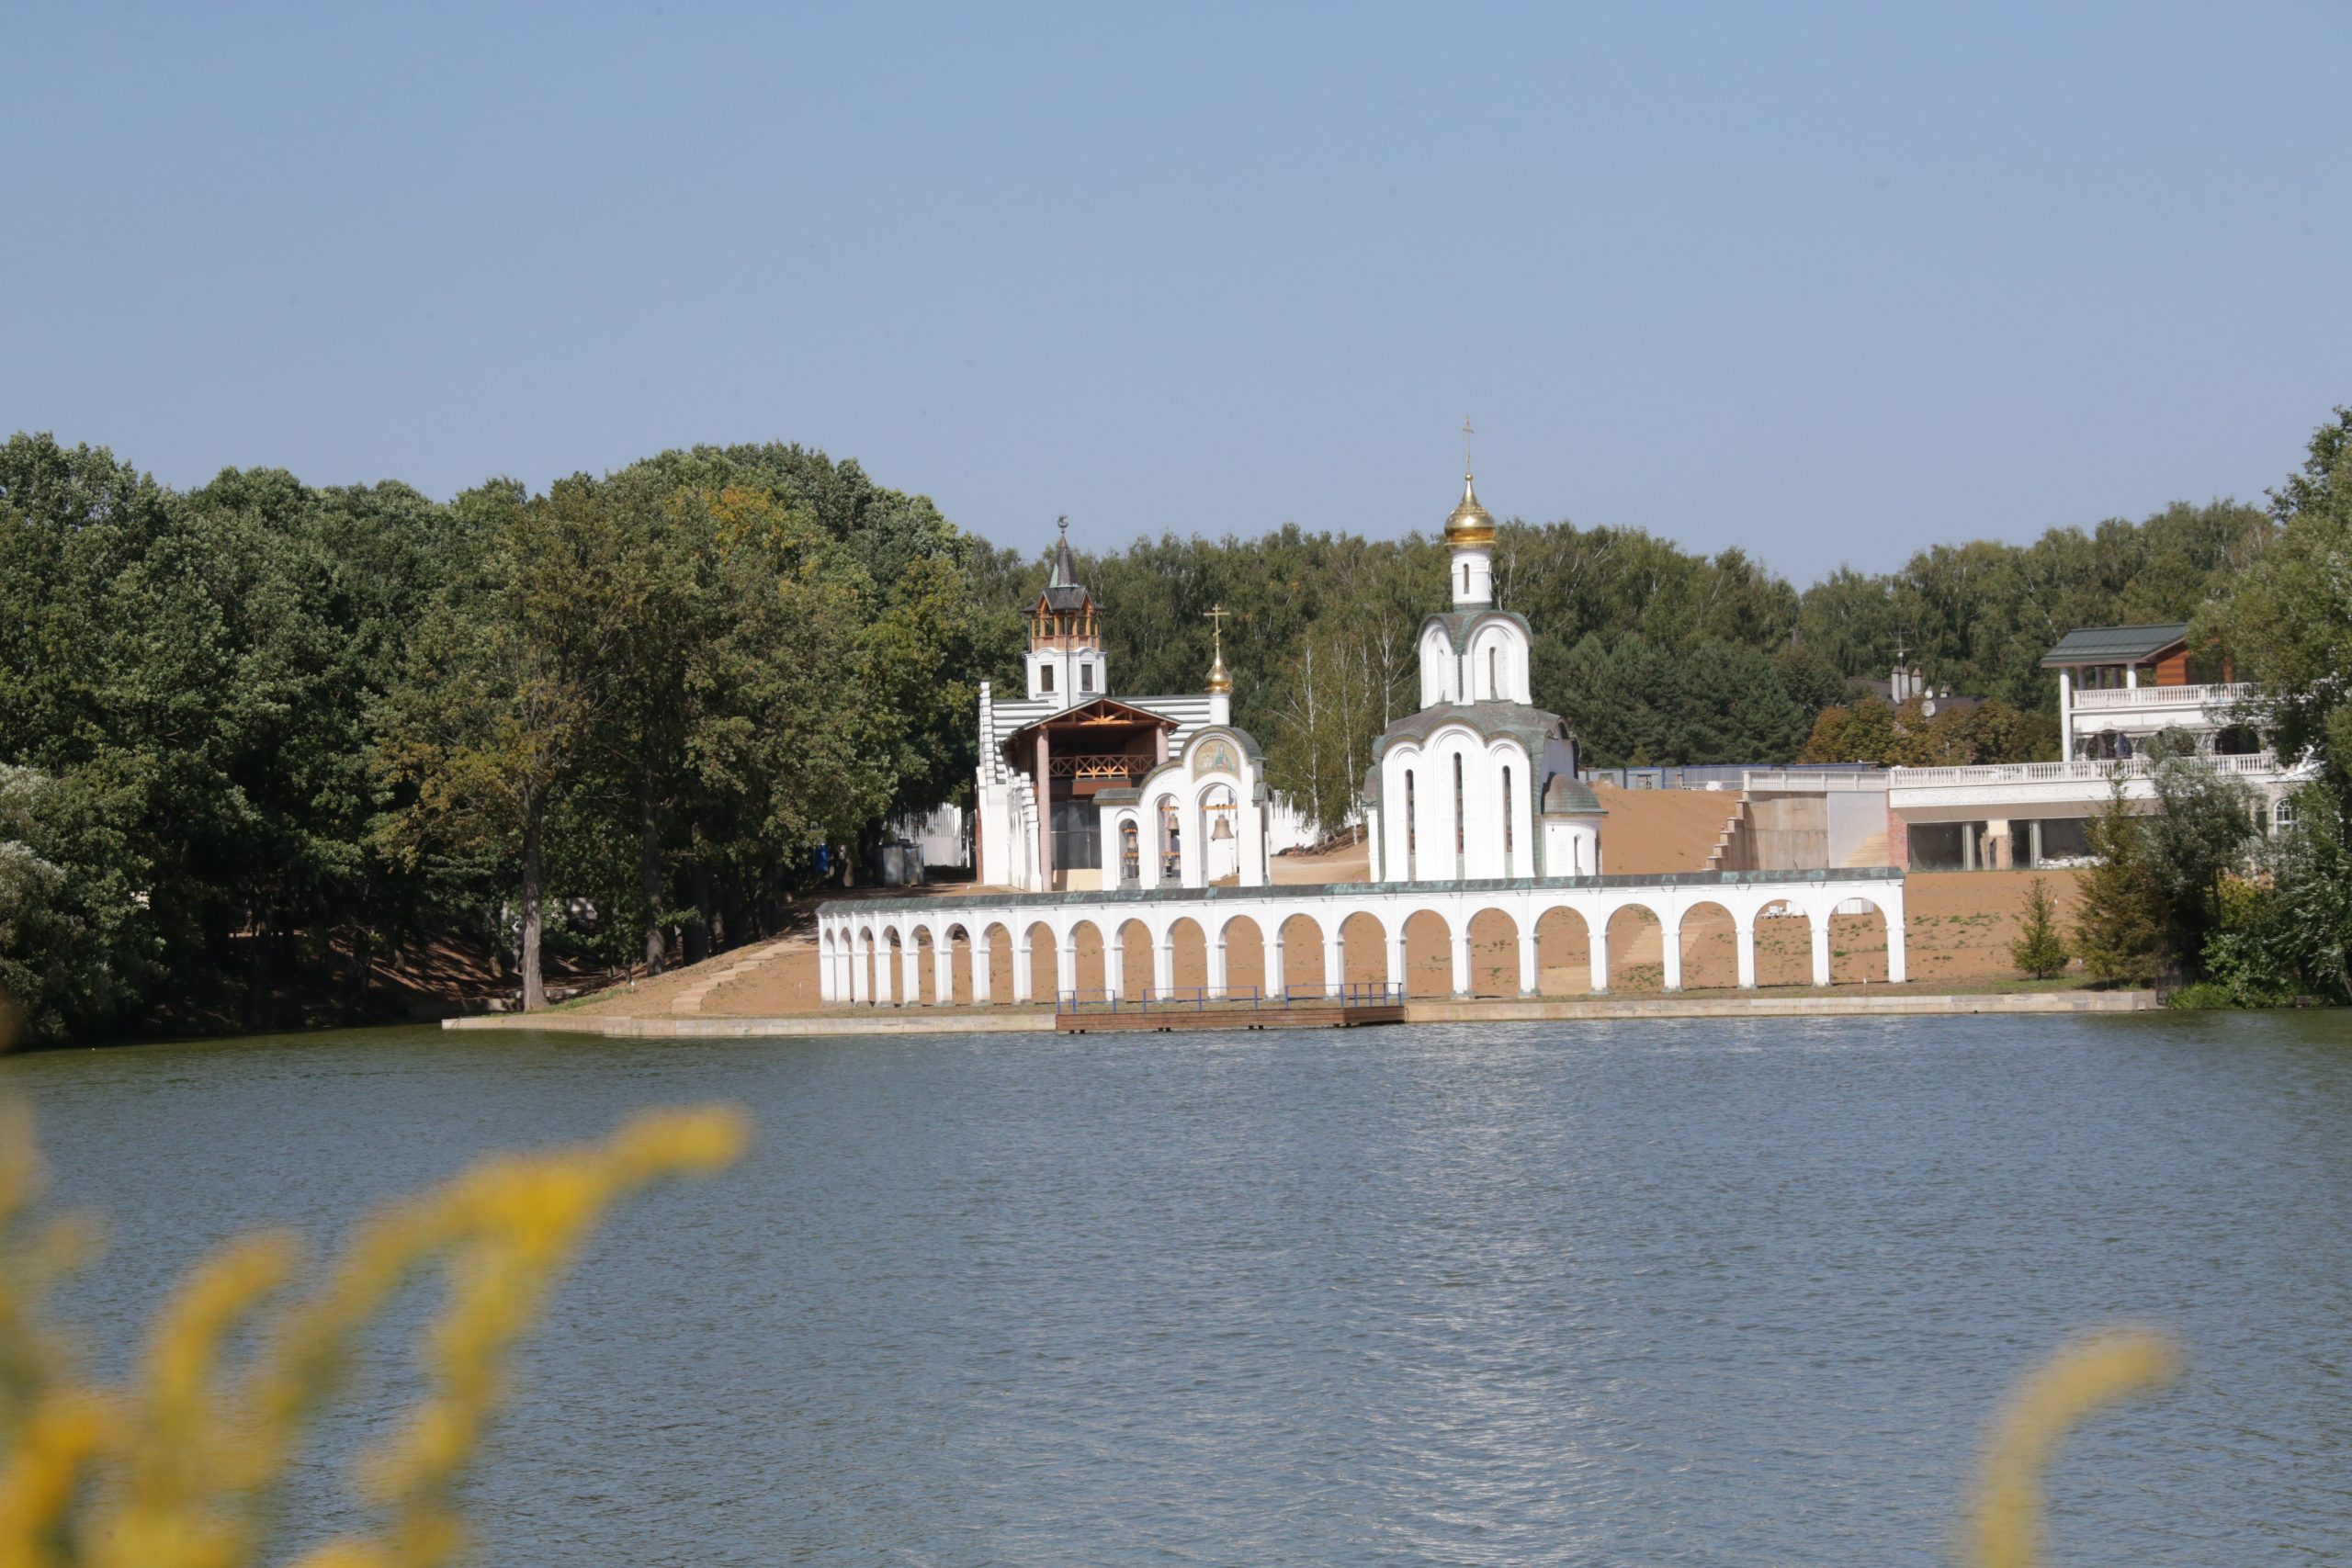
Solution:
(2115, 645)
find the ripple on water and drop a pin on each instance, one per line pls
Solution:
(1596, 1293)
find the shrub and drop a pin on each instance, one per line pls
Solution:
(2040, 951)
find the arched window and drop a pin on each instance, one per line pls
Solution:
(1494, 672)
(1461, 834)
(1130, 855)
(1465, 579)
(1412, 839)
(1045, 677)
(1510, 824)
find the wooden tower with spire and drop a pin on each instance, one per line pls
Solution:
(1066, 663)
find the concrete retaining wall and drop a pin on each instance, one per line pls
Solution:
(998, 1020)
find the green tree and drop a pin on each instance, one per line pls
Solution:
(2119, 924)
(76, 952)
(2040, 950)
(1865, 733)
(502, 697)
(2288, 618)
(2199, 836)
(2308, 942)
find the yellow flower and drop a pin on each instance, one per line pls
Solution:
(2095, 1370)
(182, 1471)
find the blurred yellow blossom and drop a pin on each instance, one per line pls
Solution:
(182, 1468)
(2095, 1370)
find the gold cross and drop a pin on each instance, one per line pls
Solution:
(1465, 444)
(1217, 613)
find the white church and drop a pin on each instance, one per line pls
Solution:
(1111, 830)
(1079, 790)
(1479, 783)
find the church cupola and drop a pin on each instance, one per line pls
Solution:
(1065, 662)
(1220, 682)
(1470, 536)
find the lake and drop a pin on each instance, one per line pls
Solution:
(1606, 1293)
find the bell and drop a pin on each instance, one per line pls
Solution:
(1224, 828)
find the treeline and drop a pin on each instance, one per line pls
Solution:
(256, 736)
(1654, 654)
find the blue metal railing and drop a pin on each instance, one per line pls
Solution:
(1236, 999)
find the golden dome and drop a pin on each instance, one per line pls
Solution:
(1471, 523)
(1218, 679)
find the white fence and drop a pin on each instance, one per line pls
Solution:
(2215, 696)
(2253, 764)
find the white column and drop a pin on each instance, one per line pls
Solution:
(1163, 964)
(860, 984)
(1669, 949)
(911, 969)
(1820, 923)
(1462, 959)
(980, 966)
(1024, 970)
(943, 970)
(886, 972)
(1335, 962)
(1527, 976)
(1396, 945)
(2066, 715)
(1747, 939)
(1892, 909)
(1251, 836)
(1114, 966)
(1597, 940)
(1274, 985)
(1216, 967)
(1065, 964)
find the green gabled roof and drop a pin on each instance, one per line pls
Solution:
(2115, 645)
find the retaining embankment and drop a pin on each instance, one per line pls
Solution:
(1796, 1004)
(834, 1021)
(1843, 1003)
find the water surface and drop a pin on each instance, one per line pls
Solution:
(1605, 1294)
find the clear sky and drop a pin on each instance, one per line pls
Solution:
(1828, 283)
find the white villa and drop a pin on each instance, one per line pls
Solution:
(2118, 688)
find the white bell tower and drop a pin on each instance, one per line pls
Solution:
(1065, 665)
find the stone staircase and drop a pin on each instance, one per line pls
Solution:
(1731, 853)
(688, 1002)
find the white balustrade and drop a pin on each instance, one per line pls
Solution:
(2253, 764)
(2216, 695)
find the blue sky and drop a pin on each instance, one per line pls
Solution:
(1826, 283)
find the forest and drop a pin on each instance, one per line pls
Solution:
(259, 737)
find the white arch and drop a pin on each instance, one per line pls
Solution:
(856, 944)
